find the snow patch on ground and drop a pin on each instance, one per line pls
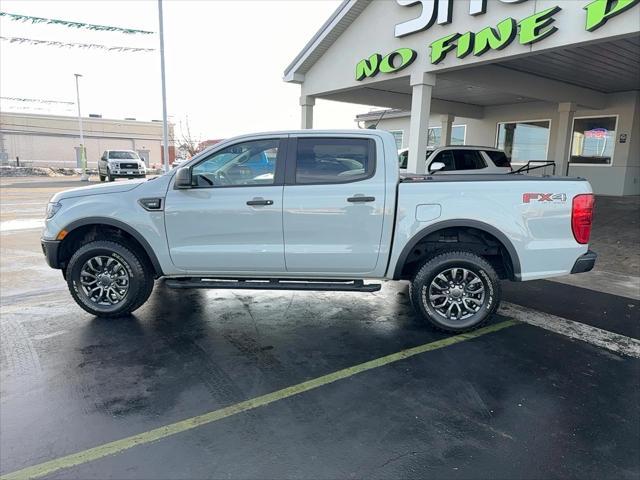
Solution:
(11, 171)
(21, 224)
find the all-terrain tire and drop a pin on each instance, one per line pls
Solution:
(102, 177)
(419, 291)
(139, 273)
(149, 283)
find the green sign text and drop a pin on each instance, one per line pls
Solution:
(530, 30)
(395, 61)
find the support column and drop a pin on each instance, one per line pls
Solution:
(422, 85)
(306, 104)
(564, 134)
(509, 136)
(445, 133)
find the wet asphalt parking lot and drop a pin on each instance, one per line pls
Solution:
(550, 389)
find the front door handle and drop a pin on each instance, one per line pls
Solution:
(259, 201)
(361, 199)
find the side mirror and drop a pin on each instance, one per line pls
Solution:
(183, 178)
(436, 167)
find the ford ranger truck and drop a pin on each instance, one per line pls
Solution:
(318, 210)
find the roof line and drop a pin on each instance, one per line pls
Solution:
(330, 24)
(388, 113)
(75, 118)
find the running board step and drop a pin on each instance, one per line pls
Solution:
(275, 284)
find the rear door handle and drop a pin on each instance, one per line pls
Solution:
(259, 201)
(361, 199)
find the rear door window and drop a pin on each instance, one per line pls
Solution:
(334, 160)
(468, 160)
(500, 159)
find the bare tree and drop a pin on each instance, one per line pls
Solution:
(188, 143)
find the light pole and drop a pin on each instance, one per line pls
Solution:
(165, 128)
(83, 156)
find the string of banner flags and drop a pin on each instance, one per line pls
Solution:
(77, 25)
(36, 100)
(55, 43)
(67, 23)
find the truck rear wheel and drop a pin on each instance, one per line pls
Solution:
(456, 291)
(107, 279)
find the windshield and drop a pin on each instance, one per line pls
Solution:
(124, 155)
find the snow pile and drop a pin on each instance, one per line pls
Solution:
(11, 171)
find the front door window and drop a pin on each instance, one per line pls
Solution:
(248, 163)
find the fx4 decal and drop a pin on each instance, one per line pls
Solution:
(544, 197)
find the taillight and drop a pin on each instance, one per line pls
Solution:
(582, 217)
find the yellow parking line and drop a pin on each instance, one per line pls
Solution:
(118, 446)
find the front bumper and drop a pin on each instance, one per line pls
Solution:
(585, 262)
(50, 249)
(128, 174)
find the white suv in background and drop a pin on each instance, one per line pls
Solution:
(461, 159)
(120, 164)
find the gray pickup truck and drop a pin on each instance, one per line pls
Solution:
(120, 164)
(318, 210)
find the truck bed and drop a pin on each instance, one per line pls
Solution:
(482, 177)
(532, 214)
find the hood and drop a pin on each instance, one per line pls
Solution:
(117, 187)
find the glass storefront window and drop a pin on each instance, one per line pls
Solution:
(593, 140)
(458, 135)
(524, 141)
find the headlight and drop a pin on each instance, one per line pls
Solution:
(52, 209)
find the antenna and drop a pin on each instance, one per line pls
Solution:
(373, 127)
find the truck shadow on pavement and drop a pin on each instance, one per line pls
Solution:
(228, 345)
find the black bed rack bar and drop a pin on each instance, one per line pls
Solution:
(531, 165)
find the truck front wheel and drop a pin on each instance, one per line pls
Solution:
(456, 291)
(107, 279)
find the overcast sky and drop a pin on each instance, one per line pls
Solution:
(225, 61)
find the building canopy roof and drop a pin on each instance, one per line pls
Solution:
(337, 23)
(567, 63)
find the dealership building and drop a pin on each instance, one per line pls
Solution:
(53, 140)
(542, 79)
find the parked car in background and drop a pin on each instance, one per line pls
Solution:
(120, 164)
(461, 159)
(318, 210)
(178, 161)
